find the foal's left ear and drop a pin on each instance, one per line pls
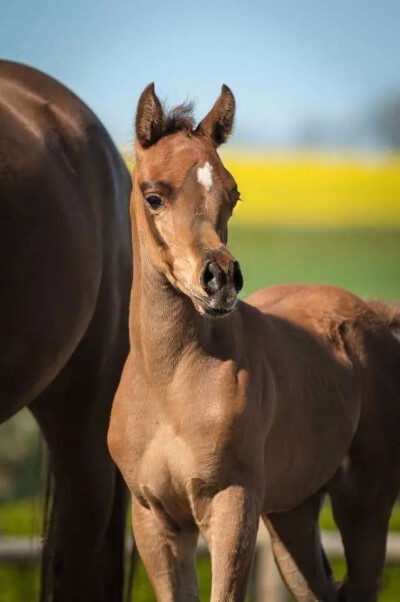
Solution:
(218, 124)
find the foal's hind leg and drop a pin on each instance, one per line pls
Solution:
(362, 505)
(298, 552)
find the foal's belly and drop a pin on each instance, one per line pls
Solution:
(311, 434)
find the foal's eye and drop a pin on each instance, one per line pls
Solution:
(154, 202)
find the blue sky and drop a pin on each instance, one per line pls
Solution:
(289, 62)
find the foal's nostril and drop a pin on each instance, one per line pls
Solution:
(213, 278)
(237, 277)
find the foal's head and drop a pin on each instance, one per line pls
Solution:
(183, 199)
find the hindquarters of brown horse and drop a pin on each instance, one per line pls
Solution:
(65, 276)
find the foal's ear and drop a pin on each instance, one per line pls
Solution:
(149, 117)
(218, 124)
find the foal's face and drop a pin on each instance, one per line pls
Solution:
(183, 200)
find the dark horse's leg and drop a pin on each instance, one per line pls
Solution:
(362, 503)
(298, 552)
(83, 558)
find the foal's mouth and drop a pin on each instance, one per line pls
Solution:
(218, 312)
(213, 308)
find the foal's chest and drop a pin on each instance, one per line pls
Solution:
(191, 431)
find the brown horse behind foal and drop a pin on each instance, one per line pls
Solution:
(217, 422)
(65, 274)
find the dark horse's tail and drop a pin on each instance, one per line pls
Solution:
(48, 513)
(389, 312)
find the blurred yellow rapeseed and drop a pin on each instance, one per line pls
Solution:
(316, 190)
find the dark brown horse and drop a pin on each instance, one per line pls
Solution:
(217, 422)
(65, 273)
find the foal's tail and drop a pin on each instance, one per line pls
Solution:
(389, 313)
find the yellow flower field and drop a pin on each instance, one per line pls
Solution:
(316, 190)
(308, 190)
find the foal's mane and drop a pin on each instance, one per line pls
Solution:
(179, 119)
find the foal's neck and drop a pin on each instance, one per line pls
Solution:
(164, 324)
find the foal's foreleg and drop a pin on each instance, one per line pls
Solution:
(167, 554)
(230, 526)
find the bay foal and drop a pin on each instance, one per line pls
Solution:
(217, 422)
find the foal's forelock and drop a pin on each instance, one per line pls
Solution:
(153, 122)
(179, 119)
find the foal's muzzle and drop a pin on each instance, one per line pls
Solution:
(214, 277)
(221, 281)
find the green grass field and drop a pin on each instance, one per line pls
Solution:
(366, 261)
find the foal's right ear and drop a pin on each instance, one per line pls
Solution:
(149, 117)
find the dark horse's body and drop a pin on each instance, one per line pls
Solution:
(65, 272)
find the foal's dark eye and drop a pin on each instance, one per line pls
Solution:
(154, 201)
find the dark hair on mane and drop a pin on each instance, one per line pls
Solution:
(179, 119)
